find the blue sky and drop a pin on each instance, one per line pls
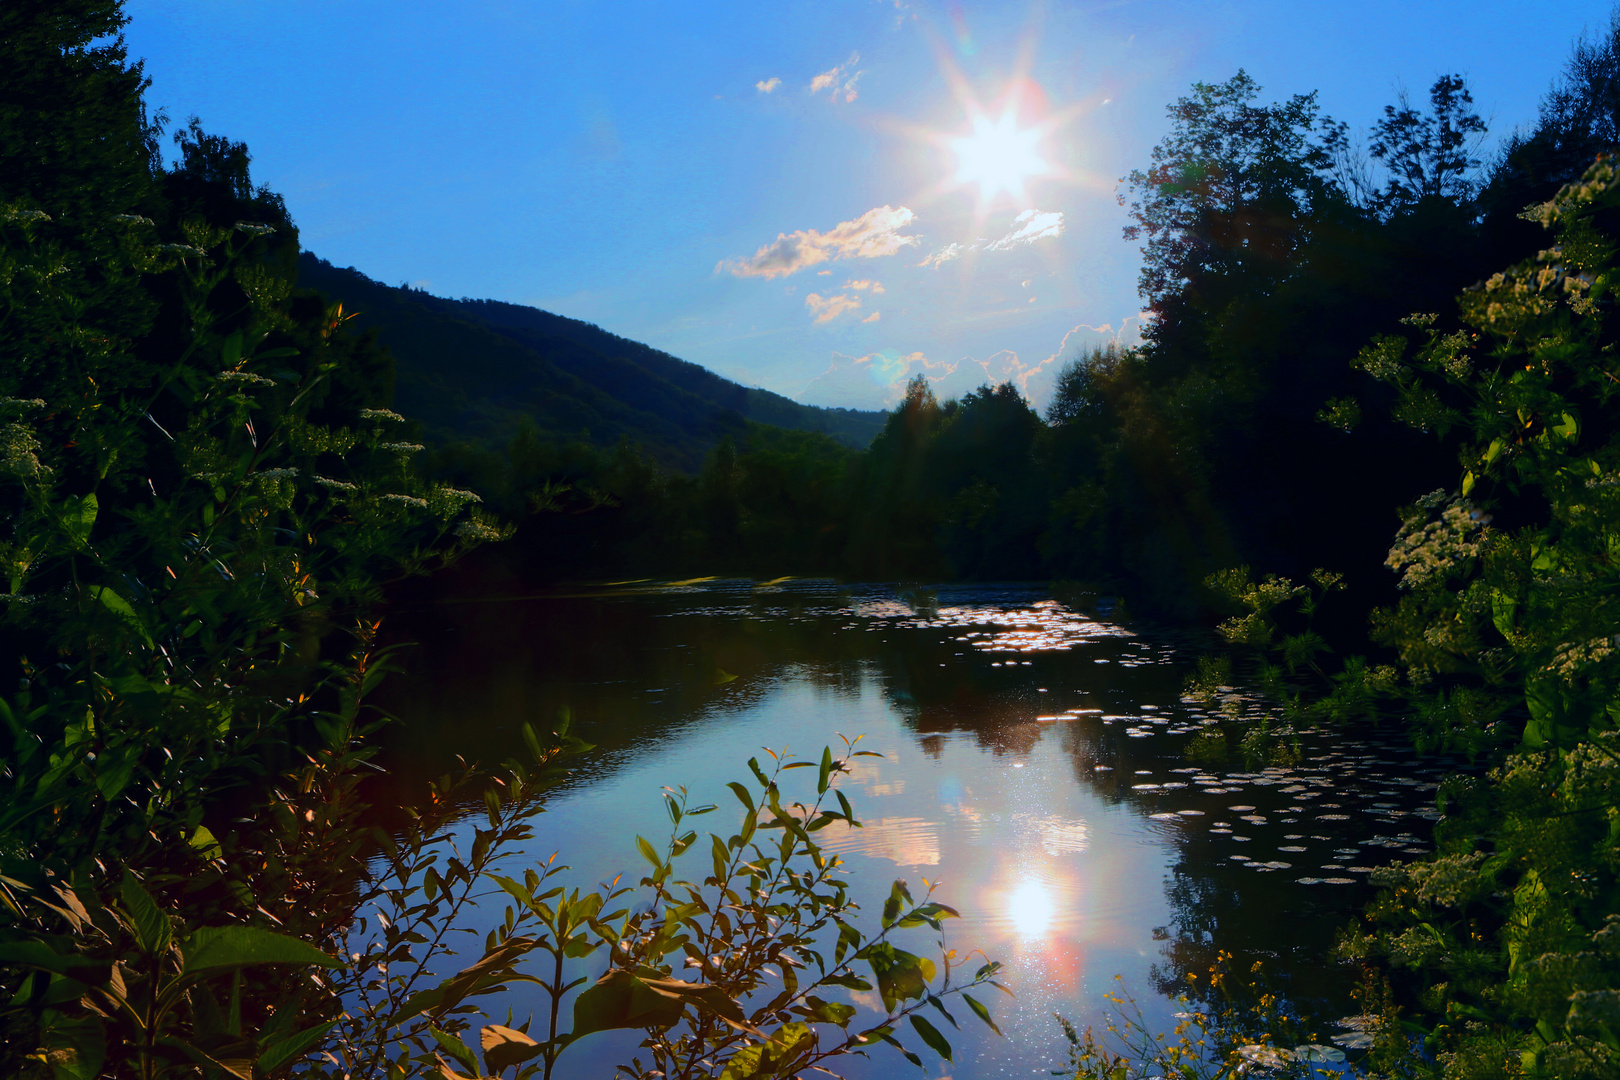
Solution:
(775, 190)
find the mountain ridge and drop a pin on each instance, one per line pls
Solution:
(475, 370)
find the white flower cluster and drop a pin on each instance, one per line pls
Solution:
(276, 474)
(181, 249)
(245, 377)
(27, 215)
(11, 404)
(479, 532)
(1568, 661)
(19, 450)
(335, 485)
(1426, 549)
(132, 219)
(406, 500)
(255, 229)
(401, 447)
(381, 414)
(459, 496)
(1574, 196)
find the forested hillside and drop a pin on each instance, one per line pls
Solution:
(480, 370)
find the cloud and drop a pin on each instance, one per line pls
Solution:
(873, 234)
(874, 317)
(839, 80)
(878, 380)
(822, 273)
(863, 285)
(1032, 225)
(945, 255)
(1028, 227)
(829, 308)
(874, 381)
(1040, 382)
(765, 86)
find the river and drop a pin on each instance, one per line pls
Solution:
(1033, 766)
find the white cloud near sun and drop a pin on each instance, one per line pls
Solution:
(765, 86)
(1032, 225)
(872, 235)
(1027, 228)
(839, 81)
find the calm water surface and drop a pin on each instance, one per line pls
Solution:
(1032, 766)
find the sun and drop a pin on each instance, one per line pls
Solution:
(998, 156)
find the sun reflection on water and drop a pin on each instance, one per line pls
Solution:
(1030, 908)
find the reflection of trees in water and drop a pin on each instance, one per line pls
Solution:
(482, 668)
(1288, 928)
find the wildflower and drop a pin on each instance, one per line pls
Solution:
(132, 219)
(335, 485)
(380, 414)
(245, 377)
(181, 250)
(401, 447)
(478, 531)
(406, 500)
(276, 474)
(255, 229)
(27, 215)
(19, 452)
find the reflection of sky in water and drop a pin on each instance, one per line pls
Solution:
(1046, 802)
(1062, 887)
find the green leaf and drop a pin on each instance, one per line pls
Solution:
(648, 852)
(742, 795)
(218, 948)
(76, 1047)
(901, 976)
(620, 1000)
(826, 770)
(456, 1049)
(981, 1012)
(291, 1048)
(79, 517)
(231, 353)
(36, 954)
(121, 608)
(930, 1035)
(152, 928)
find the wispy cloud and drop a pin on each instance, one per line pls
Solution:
(828, 308)
(1027, 227)
(863, 285)
(874, 317)
(840, 80)
(1031, 225)
(945, 255)
(765, 86)
(875, 233)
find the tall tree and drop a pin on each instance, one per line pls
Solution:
(1228, 188)
(75, 140)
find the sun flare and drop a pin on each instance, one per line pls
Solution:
(998, 156)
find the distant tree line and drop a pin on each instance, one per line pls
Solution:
(1277, 242)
